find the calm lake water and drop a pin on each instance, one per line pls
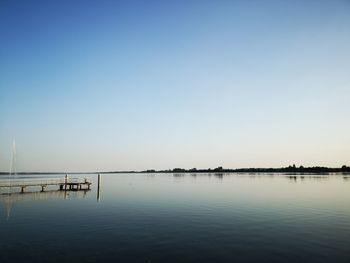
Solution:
(182, 218)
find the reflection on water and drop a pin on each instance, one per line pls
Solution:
(295, 178)
(10, 199)
(182, 218)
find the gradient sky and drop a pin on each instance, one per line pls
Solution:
(121, 85)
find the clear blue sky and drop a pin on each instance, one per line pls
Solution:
(121, 85)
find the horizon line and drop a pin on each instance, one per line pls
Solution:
(289, 168)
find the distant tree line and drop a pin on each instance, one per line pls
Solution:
(289, 169)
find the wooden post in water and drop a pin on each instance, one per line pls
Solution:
(98, 187)
(65, 182)
(65, 186)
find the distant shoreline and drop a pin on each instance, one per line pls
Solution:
(289, 169)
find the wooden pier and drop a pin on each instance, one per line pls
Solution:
(63, 184)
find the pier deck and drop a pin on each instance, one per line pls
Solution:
(64, 184)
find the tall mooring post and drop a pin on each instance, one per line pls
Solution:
(65, 186)
(65, 182)
(98, 187)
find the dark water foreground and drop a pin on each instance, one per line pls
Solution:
(175, 218)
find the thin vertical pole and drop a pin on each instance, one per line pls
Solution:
(65, 186)
(98, 187)
(65, 182)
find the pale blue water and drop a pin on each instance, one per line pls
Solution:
(175, 218)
